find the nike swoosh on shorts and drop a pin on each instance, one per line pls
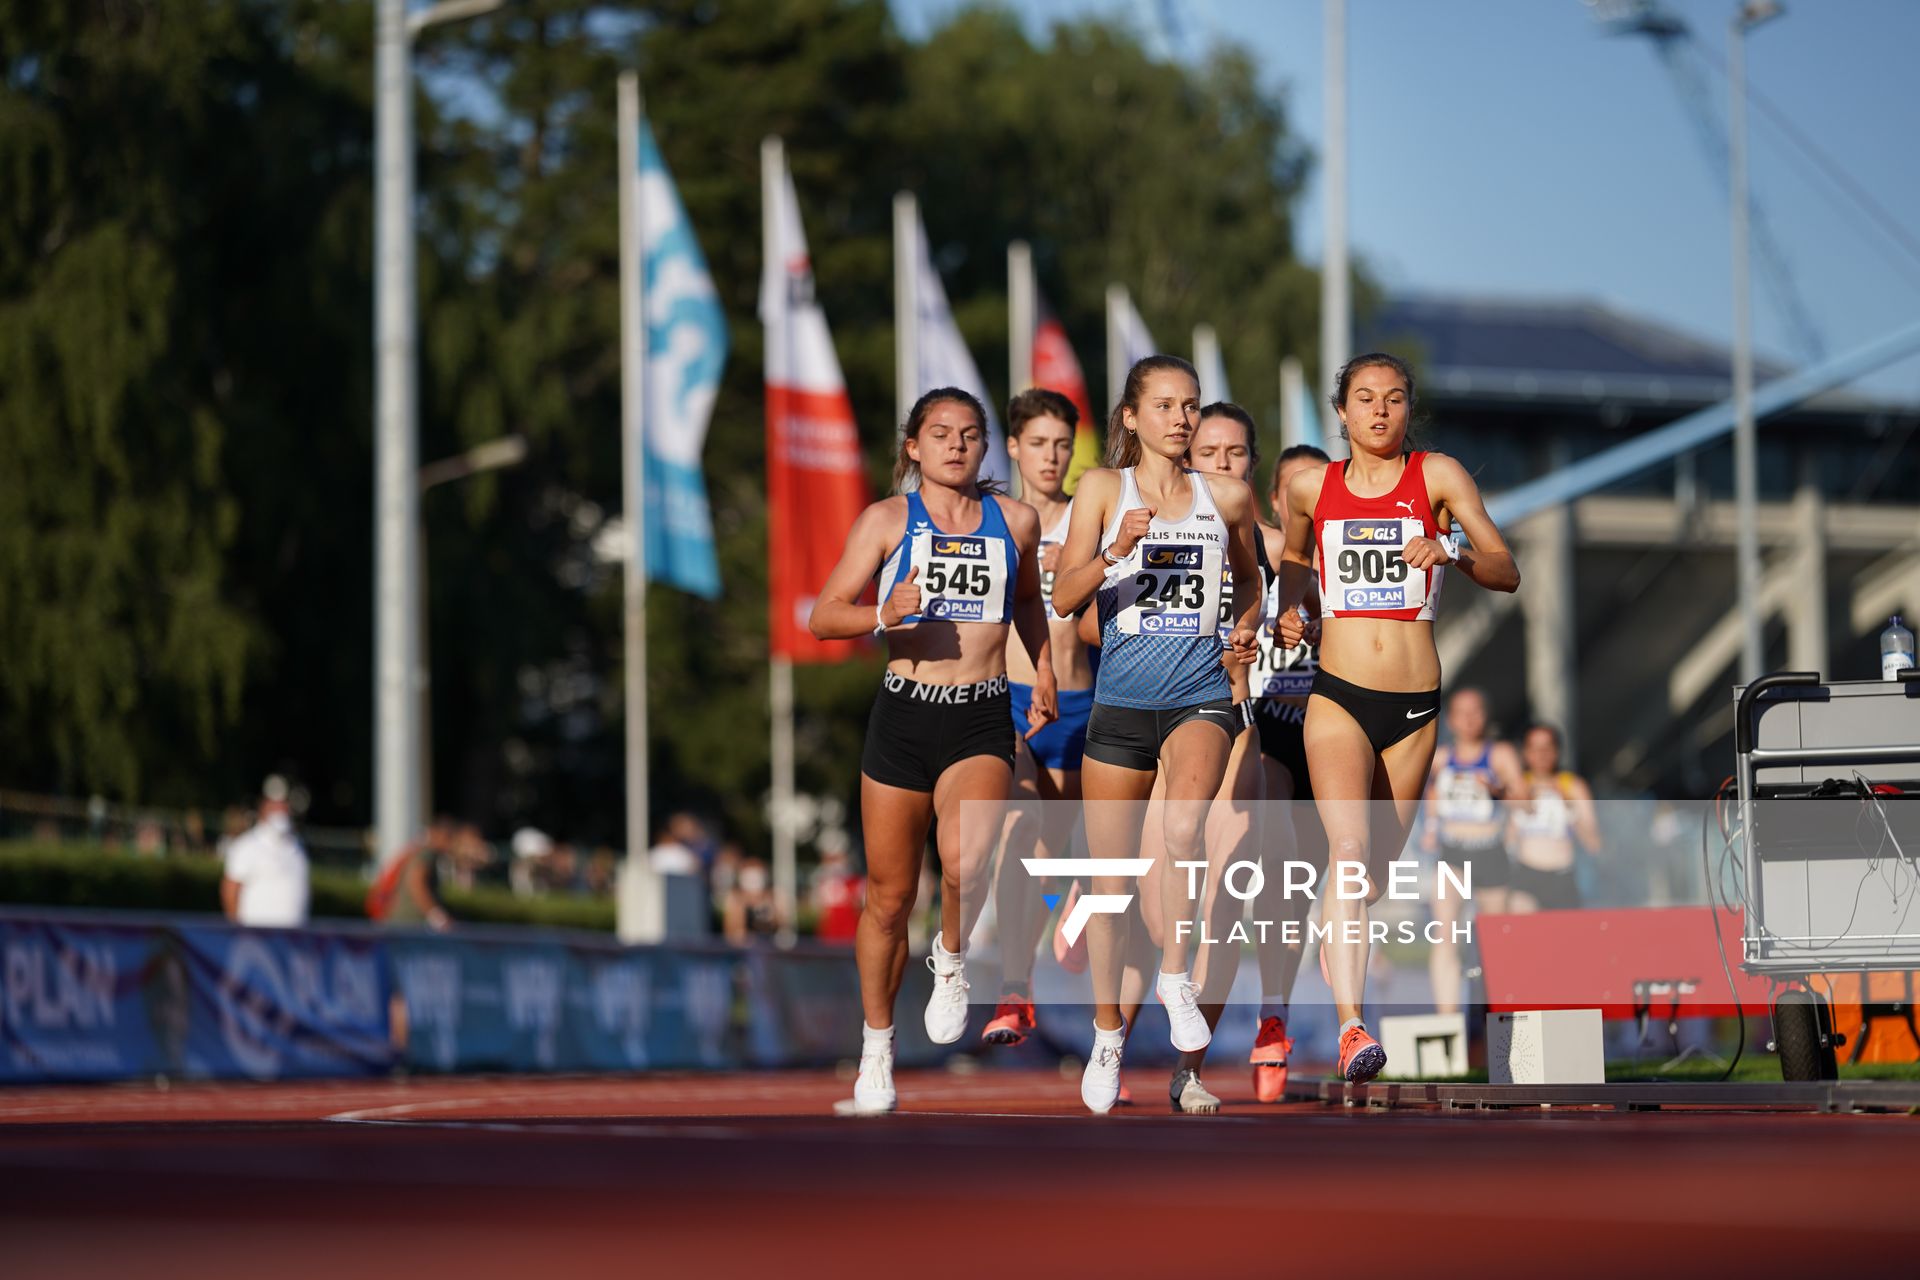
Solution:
(1429, 711)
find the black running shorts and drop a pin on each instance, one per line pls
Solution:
(1131, 737)
(917, 730)
(1385, 717)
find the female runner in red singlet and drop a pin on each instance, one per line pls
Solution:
(1376, 520)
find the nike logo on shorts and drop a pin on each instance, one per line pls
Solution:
(1416, 715)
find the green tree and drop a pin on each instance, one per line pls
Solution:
(169, 306)
(185, 326)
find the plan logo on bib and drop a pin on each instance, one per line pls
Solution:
(1170, 624)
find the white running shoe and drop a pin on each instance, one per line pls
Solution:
(947, 1006)
(873, 1093)
(1100, 1082)
(1187, 1027)
(1189, 1096)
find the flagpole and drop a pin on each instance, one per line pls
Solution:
(1293, 393)
(773, 166)
(633, 373)
(1116, 345)
(906, 306)
(1206, 359)
(1336, 304)
(1021, 317)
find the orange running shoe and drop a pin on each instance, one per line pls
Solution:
(1071, 956)
(1012, 1020)
(1361, 1057)
(1271, 1048)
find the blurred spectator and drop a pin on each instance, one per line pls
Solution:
(405, 892)
(530, 845)
(559, 871)
(751, 911)
(233, 825)
(193, 830)
(472, 855)
(1550, 822)
(149, 837)
(671, 854)
(723, 879)
(602, 867)
(265, 878)
(837, 893)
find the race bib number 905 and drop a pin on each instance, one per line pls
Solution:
(1175, 590)
(962, 578)
(1364, 567)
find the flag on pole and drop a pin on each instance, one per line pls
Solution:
(941, 358)
(1056, 368)
(816, 479)
(686, 350)
(1208, 363)
(1127, 340)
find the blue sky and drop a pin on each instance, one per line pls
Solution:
(1510, 148)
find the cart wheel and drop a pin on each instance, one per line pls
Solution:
(1798, 1024)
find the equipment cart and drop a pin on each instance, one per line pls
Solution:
(1828, 825)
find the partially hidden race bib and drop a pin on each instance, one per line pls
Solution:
(1364, 569)
(963, 577)
(1174, 590)
(1280, 672)
(1463, 797)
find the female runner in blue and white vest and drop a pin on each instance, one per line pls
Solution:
(958, 565)
(1149, 540)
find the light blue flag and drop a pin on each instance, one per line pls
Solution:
(686, 350)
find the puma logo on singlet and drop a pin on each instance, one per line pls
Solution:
(1408, 504)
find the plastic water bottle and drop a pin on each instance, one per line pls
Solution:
(1896, 650)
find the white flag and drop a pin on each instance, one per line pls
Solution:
(941, 353)
(1127, 340)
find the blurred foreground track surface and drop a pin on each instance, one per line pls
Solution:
(1003, 1170)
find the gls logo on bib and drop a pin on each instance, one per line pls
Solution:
(1373, 532)
(1164, 557)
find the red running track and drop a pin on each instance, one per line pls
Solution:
(999, 1171)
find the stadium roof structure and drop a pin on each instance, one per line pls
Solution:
(1573, 351)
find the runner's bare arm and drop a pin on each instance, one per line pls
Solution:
(1488, 561)
(1030, 612)
(1586, 821)
(1508, 772)
(1081, 568)
(1235, 501)
(835, 615)
(1294, 574)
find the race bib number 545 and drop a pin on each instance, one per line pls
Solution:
(962, 578)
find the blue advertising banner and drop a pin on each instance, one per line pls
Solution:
(89, 996)
(82, 1002)
(278, 1004)
(517, 1006)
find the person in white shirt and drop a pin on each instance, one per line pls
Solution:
(265, 879)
